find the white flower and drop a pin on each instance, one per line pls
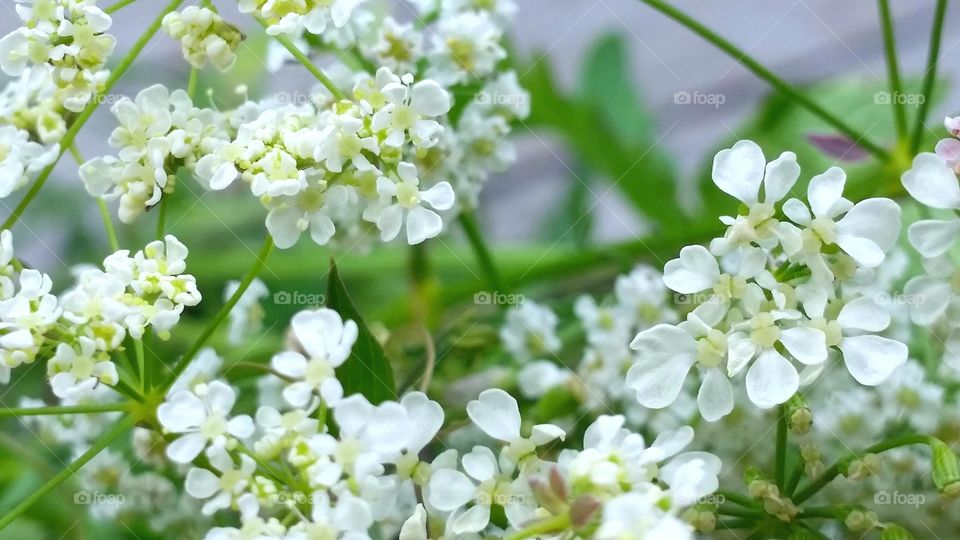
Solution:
(530, 330)
(202, 370)
(865, 231)
(327, 341)
(201, 418)
(409, 110)
(741, 171)
(536, 378)
(21, 159)
(639, 516)
(203, 35)
(498, 415)
(421, 223)
(381, 431)
(466, 46)
(74, 372)
(225, 485)
(934, 184)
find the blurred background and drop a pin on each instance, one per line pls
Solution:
(613, 163)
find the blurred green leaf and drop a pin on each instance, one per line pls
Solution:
(368, 370)
(608, 129)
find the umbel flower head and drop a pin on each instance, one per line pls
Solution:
(773, 296)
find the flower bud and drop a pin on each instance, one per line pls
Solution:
(799, 416)
(946, 469)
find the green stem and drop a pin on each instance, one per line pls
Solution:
(469, 223)
(161, 217)
(84, 115)
(930, 75)
(298, 54)
(834, 470)
(117, 6)
(746, 513)
(258, 265)
(759, 70)
(735, 524)
(192, 83)
(736, 498)
(542, 527)
(780, 460)
(98, 446)
(141, 363)
(104, 211)
(128, 391)
(72, 409)
(893, 69)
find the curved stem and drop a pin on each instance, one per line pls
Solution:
(298, 54)
(117, 6)
(930, 75)
(84, 115)
(192, 82)
(834, 470)
(98, 446)
(542, 527)
(759, 70)
(893, 69)
(258, 265)
(73, 409)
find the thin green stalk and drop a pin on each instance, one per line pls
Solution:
(780, 460)
(298, 54)
(929, 76)
(141, 363)
(759, 70)
(736, 498)
(101, 204)
(161, 217)
(834, 470)
(128, 391)
(98, 446)
(84, 115)
(72, 409)
(192, 82)
(258, 265)
(893, 70)
(469, 223)
(117, 6)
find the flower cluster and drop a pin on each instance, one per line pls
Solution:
(204, 35)
(290, 475)
(67, 41)
(159, 132)
(77, 332)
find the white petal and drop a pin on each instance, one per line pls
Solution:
(284, 225)
(473, 520)
(738, 171)
(220, 397)
(864, 314)
(863, 250)
(931, 182)
(497, 414)
(429, 98)
(715, 398)
(871, 359)
(695, 270)
(771, 380)
(669, 443)
(929, 299)
(186, 448)
(933, 237)
(201, 483)
(808, 345)
(480, 464)
(874, 219)
(440, 196)
(450, 489)
(241, 426)
(422, 224)
(825, 191)
(781, 174)
(797, 211)
(426, 418)
(544, 433)
(289, 363)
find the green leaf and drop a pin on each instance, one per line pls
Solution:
(572, 221)
(609, 131)
(607, 87)
(368, 370)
